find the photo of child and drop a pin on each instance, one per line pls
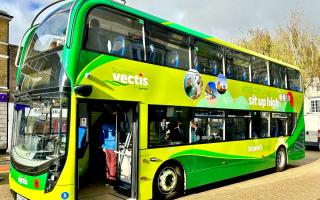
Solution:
(193, 84)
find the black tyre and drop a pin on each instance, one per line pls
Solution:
(281, 159)
(168, 182)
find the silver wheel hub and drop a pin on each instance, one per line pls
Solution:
(167, 181)
(281, 159)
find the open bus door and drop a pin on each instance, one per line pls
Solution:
(92, 158)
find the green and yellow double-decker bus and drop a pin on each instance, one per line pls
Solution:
(187, 109)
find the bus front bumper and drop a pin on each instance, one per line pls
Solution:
(58, 192)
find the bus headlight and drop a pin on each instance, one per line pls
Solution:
(53, 175)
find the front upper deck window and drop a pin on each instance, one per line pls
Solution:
(42, 67)
(50, 34)
(116, 33)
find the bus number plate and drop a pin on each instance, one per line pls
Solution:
(19, 197)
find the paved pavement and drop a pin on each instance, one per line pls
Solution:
(4, 171)
(299, 181)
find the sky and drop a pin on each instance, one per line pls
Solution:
(226, 19)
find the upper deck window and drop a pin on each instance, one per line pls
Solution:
(259, 71)
(208, 58)
(294, 80)
(237, 65)
(49, 35)
(277, 75)
(112, 32)
(166, 47)
(43, 68)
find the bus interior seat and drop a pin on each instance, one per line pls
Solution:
(244, 75)
(136, 51)
(155, 55)
(266, 80)
(229, 72)
(255, 77)
(119, 45)
(173, 59)
(214, 67)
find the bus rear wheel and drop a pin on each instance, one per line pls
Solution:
(168, 183)
(281, 159)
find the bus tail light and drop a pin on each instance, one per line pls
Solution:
(318, 134)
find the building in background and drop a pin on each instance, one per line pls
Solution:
(5, 18)
(12, 87)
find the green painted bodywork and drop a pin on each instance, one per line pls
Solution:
(15, 175)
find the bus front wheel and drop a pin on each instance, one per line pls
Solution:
(281, 159)
(169, 181)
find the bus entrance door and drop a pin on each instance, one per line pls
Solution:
(127, 127)
(107, 149)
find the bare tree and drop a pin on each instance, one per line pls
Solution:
(297, 44)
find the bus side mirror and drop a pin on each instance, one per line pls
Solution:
(83, 90)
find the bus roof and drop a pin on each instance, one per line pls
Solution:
(187, 30)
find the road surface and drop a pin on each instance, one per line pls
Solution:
(300, 181)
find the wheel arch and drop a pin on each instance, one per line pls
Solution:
(174, 162)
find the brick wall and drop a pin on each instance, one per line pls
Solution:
(3, 30)
(13, 69)
(4, 62)
(3, 51)
(3, 125)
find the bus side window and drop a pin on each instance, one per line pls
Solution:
(208, 58)
(277, 75)
(260, 124)
(294, 80)
(237, 65)
(237, 125)
(166, 47)
(211, 122)
(278, 124)
(168, 125)
(114, 32)
(259, 71)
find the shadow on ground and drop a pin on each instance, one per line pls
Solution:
(4, 178)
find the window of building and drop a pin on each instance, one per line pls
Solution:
(211, 123)
(259, 71)
(277, 75)
(208, 58)
(315, 106)
(318, 87)
(169, 125)
(237, 65)
(260, 124)
(294, 80)
(167, 47)
(115, 33)
(237, 125)
(278, 124)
